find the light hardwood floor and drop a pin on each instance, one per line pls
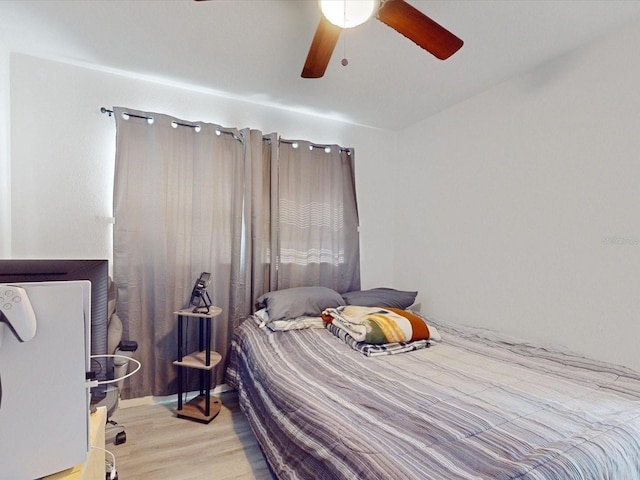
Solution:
(161, 446)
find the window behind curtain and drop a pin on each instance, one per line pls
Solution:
(317, 217)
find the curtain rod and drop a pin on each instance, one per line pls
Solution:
(268, 139)
(174, 122)
(312, 145)
(110, 112)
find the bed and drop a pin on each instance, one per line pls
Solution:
(474, 404)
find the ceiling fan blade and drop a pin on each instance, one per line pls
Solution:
(324, 41)
(416, 26)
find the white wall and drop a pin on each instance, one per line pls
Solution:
(62, 156)
(520, 208)
(5, 165)
(516, 210)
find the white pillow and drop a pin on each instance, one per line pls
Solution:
(297, 323)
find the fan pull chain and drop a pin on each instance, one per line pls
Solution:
(344, 61)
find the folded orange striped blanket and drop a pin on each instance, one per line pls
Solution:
(377, 325)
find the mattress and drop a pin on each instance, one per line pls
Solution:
(476, 405)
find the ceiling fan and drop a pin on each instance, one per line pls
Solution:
(397, 14)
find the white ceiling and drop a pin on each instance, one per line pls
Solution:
(255, 49)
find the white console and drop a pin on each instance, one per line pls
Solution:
(44, 414)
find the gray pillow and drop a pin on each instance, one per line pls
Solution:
(298, 302)
(380, 297)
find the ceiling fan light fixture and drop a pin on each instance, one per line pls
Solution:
(348, 13)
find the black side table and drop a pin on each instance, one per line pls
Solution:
(204, 407)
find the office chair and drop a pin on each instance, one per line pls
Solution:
(117, 367)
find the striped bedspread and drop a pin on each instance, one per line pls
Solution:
(473, 406)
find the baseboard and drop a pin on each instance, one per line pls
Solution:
(157, 400)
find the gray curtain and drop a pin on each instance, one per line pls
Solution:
(263, 203)
(179, 210)
(257, 212)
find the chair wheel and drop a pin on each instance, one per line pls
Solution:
(121, 437)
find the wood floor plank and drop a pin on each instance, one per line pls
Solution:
(162, 446)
